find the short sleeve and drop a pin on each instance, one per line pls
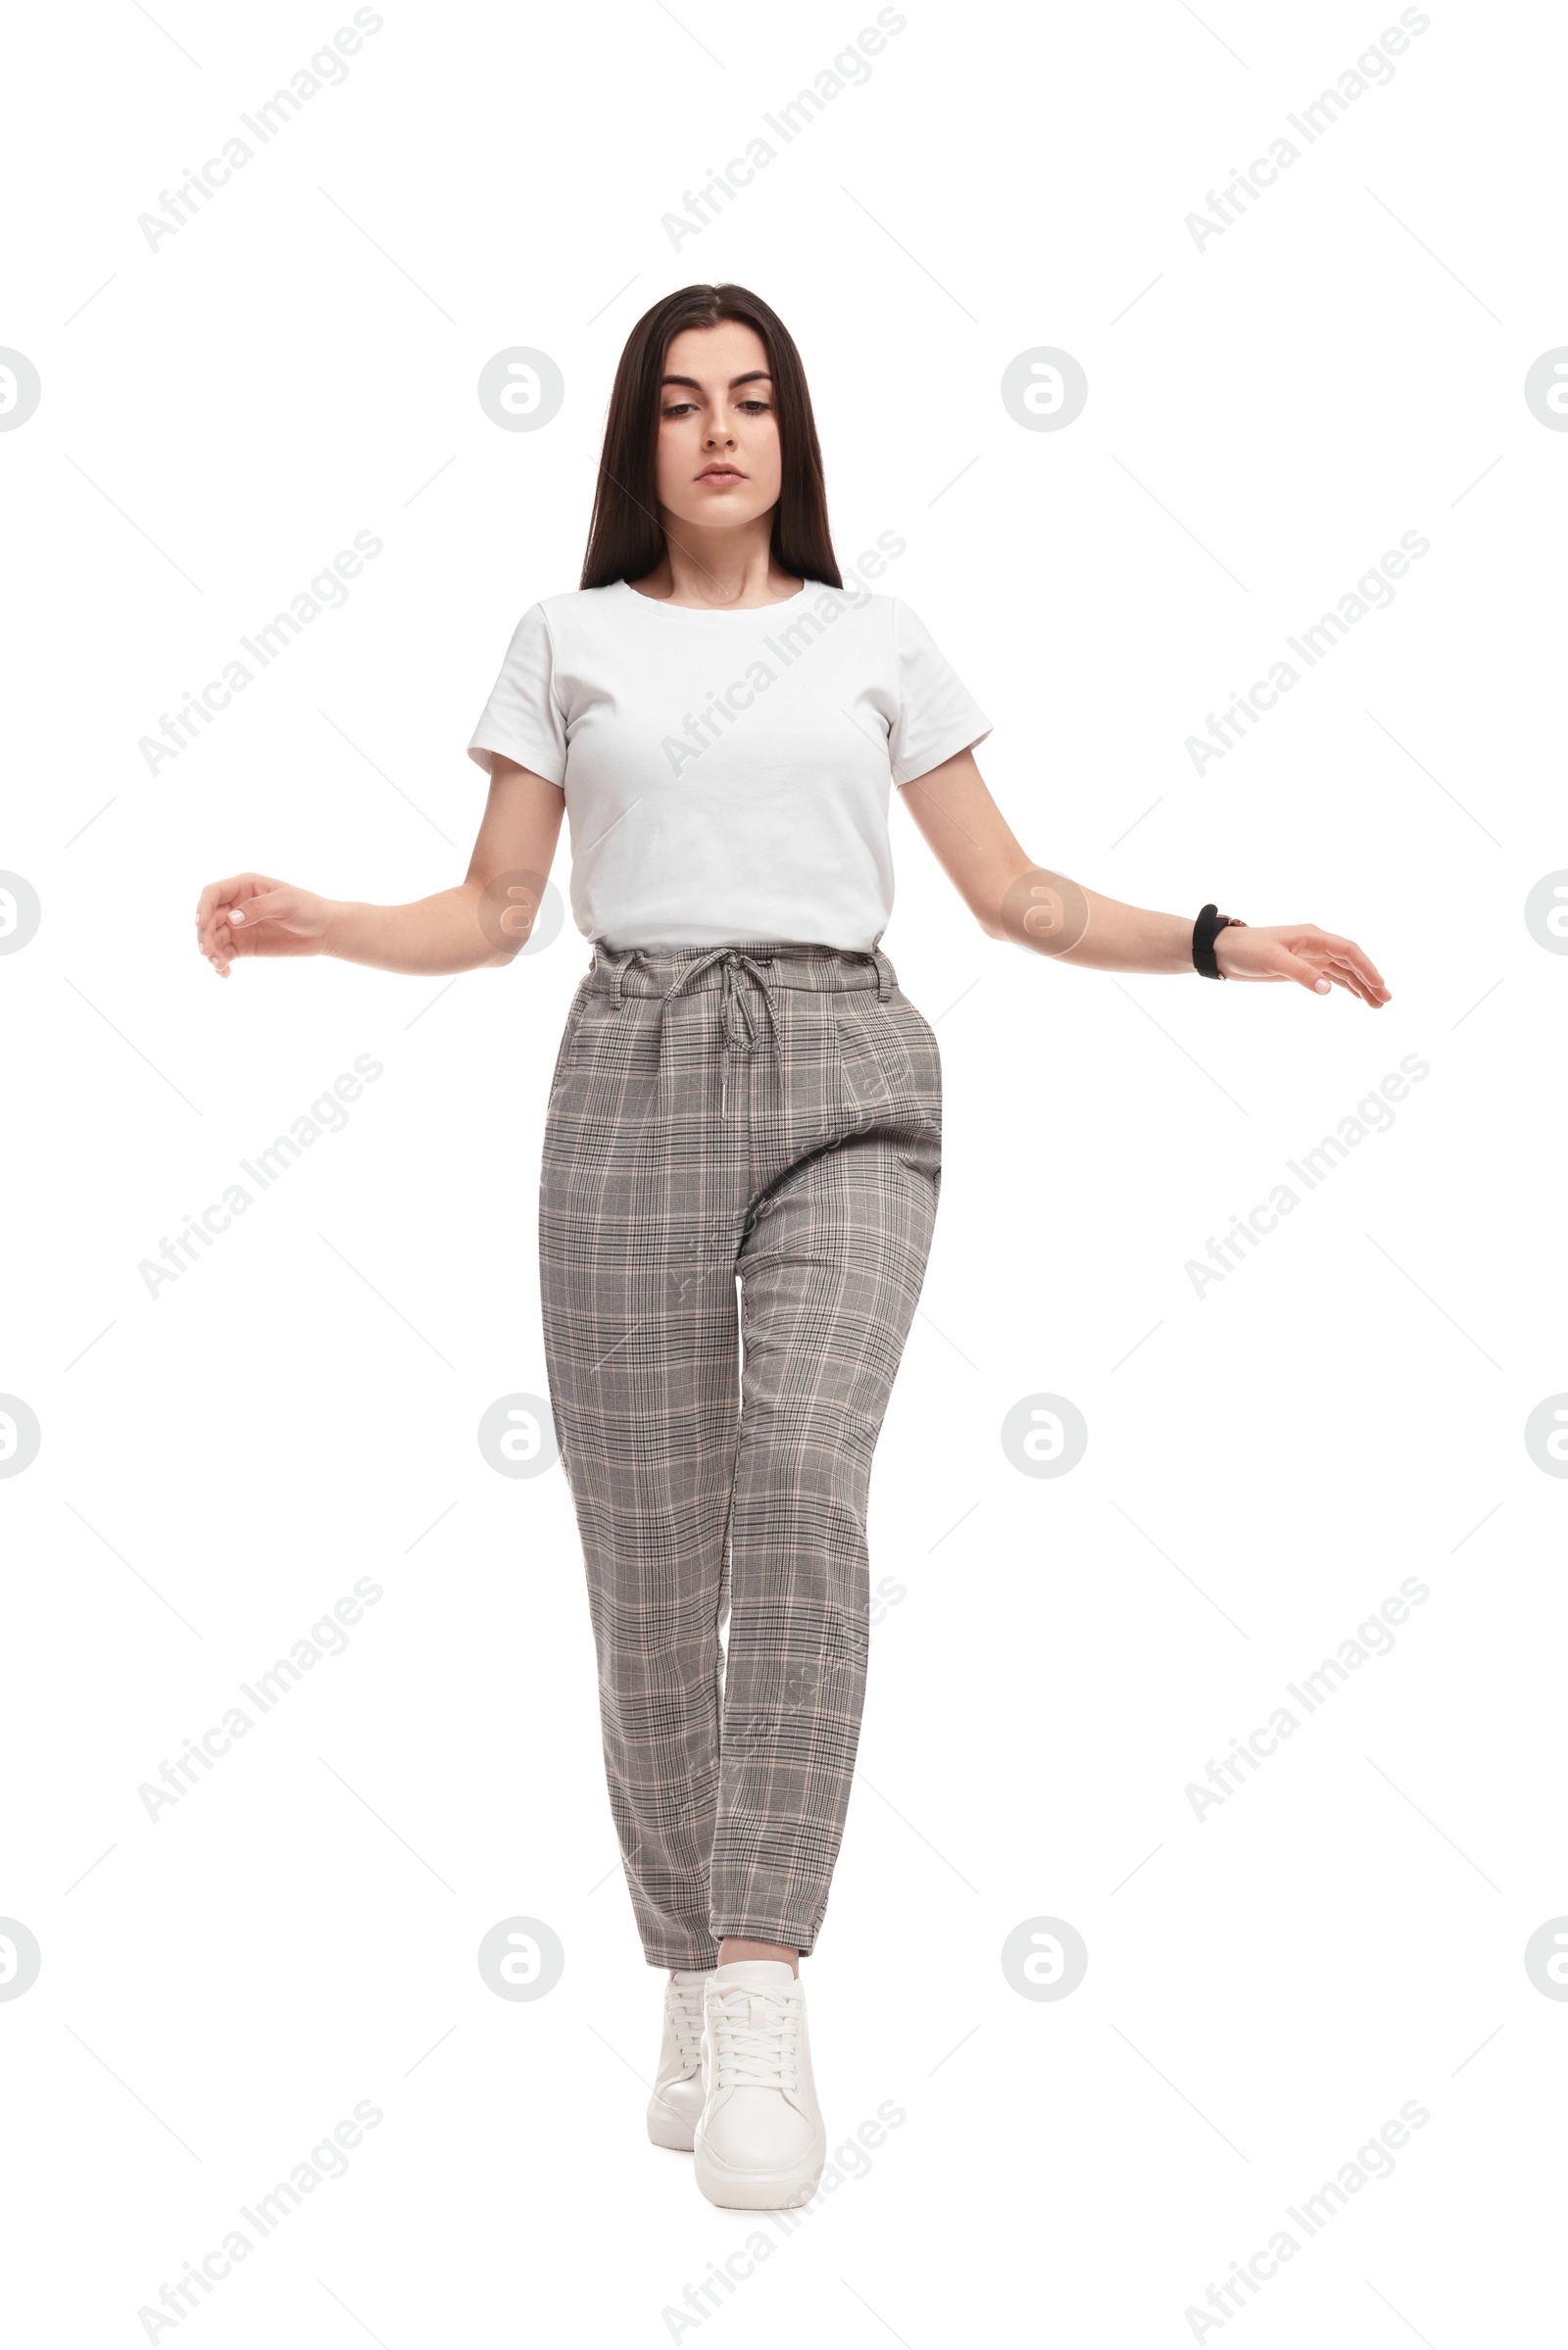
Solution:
(936, 717)
(522, 718)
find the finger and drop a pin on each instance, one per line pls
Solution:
(1346, 976)
(215, 898)
(1343, 973)
(1296, 966)
(270, 906)
(223, 893)
(1332, 957)
(1347, 951)
(1368, 985)
(219, 897)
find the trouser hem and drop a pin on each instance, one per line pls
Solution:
(684, 1960)
(687, 1958)
(765, 1930)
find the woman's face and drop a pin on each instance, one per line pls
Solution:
(718, 463)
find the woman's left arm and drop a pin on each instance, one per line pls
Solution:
(1013, 898)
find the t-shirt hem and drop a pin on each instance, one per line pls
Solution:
(548, 765)
(964, 740)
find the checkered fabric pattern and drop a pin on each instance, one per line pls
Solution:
(773, 1111)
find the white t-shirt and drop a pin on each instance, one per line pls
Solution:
(727, 774)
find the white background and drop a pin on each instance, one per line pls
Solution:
(1266, 1986)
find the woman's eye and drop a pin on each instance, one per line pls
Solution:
(687, 407)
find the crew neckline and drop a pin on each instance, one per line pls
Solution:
(729, 612)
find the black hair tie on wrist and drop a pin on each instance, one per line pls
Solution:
(1205, 930)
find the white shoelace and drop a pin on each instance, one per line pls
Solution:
(756, 2038)
(683, 2004)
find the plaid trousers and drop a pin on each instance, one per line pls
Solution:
(771, 1111)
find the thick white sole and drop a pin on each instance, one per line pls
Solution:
(757, 2190)
(667, 2127)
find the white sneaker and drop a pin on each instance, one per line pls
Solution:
(677, 2099)
(760, 2143)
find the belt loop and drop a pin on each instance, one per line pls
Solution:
(884, 974)
(626, 962)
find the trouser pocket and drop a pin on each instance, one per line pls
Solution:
(568, 1036)
(876, 1069)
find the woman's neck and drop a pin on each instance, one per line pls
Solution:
(723, 569)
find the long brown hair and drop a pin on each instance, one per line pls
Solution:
(625, 539)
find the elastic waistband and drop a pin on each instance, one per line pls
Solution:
(655, 970)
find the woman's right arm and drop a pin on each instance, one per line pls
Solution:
(478, 925)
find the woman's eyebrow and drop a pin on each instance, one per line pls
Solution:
(757, 375)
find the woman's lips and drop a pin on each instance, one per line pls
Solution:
(721, 473)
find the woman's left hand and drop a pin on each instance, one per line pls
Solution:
(1314, 959)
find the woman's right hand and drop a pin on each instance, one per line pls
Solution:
(251, 913)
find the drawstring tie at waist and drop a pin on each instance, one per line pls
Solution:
(737, 1007)
(741, 1027)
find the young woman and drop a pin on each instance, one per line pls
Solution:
(743, 1089)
